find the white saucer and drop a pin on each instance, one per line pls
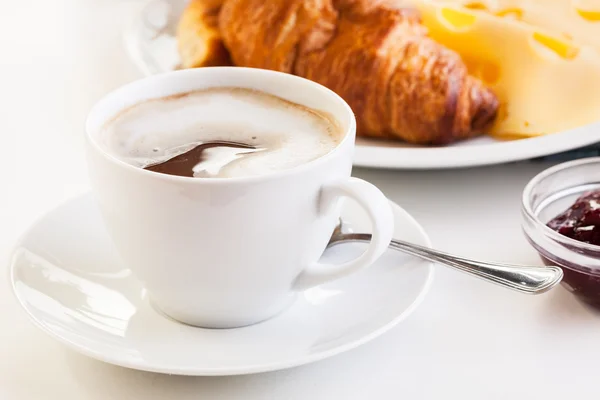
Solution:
(66, 275)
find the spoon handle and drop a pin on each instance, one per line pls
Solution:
(524, 279)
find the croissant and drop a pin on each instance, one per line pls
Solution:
(198, 37)
(374, 53)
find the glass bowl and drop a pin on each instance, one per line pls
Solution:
(549, 194)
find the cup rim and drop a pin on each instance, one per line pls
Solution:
(348, 133)
(529, 213)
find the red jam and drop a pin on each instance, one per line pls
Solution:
(582, 223)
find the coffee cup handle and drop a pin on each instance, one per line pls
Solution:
(379, 210)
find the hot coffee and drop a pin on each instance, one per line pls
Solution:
(219, 132)
(222, 252)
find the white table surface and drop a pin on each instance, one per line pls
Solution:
(468, 340)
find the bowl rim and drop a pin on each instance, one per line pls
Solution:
(526, 207)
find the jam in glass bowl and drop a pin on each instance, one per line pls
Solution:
(561, 220)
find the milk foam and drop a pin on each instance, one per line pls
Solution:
(157, 130)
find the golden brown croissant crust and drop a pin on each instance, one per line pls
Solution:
(374, 53)
(198, 37)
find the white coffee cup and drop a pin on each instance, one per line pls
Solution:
(229, 252)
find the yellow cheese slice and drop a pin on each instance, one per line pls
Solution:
(578, 20)
(545, 83)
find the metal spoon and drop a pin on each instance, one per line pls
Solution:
(524, 279)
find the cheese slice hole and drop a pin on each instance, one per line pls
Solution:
(513, 13)
(588, 15)
(557, 46)
(488, 71)
(456, 20)
(476, 6)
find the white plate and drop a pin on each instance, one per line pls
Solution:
(66, 275)
(152, 46)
